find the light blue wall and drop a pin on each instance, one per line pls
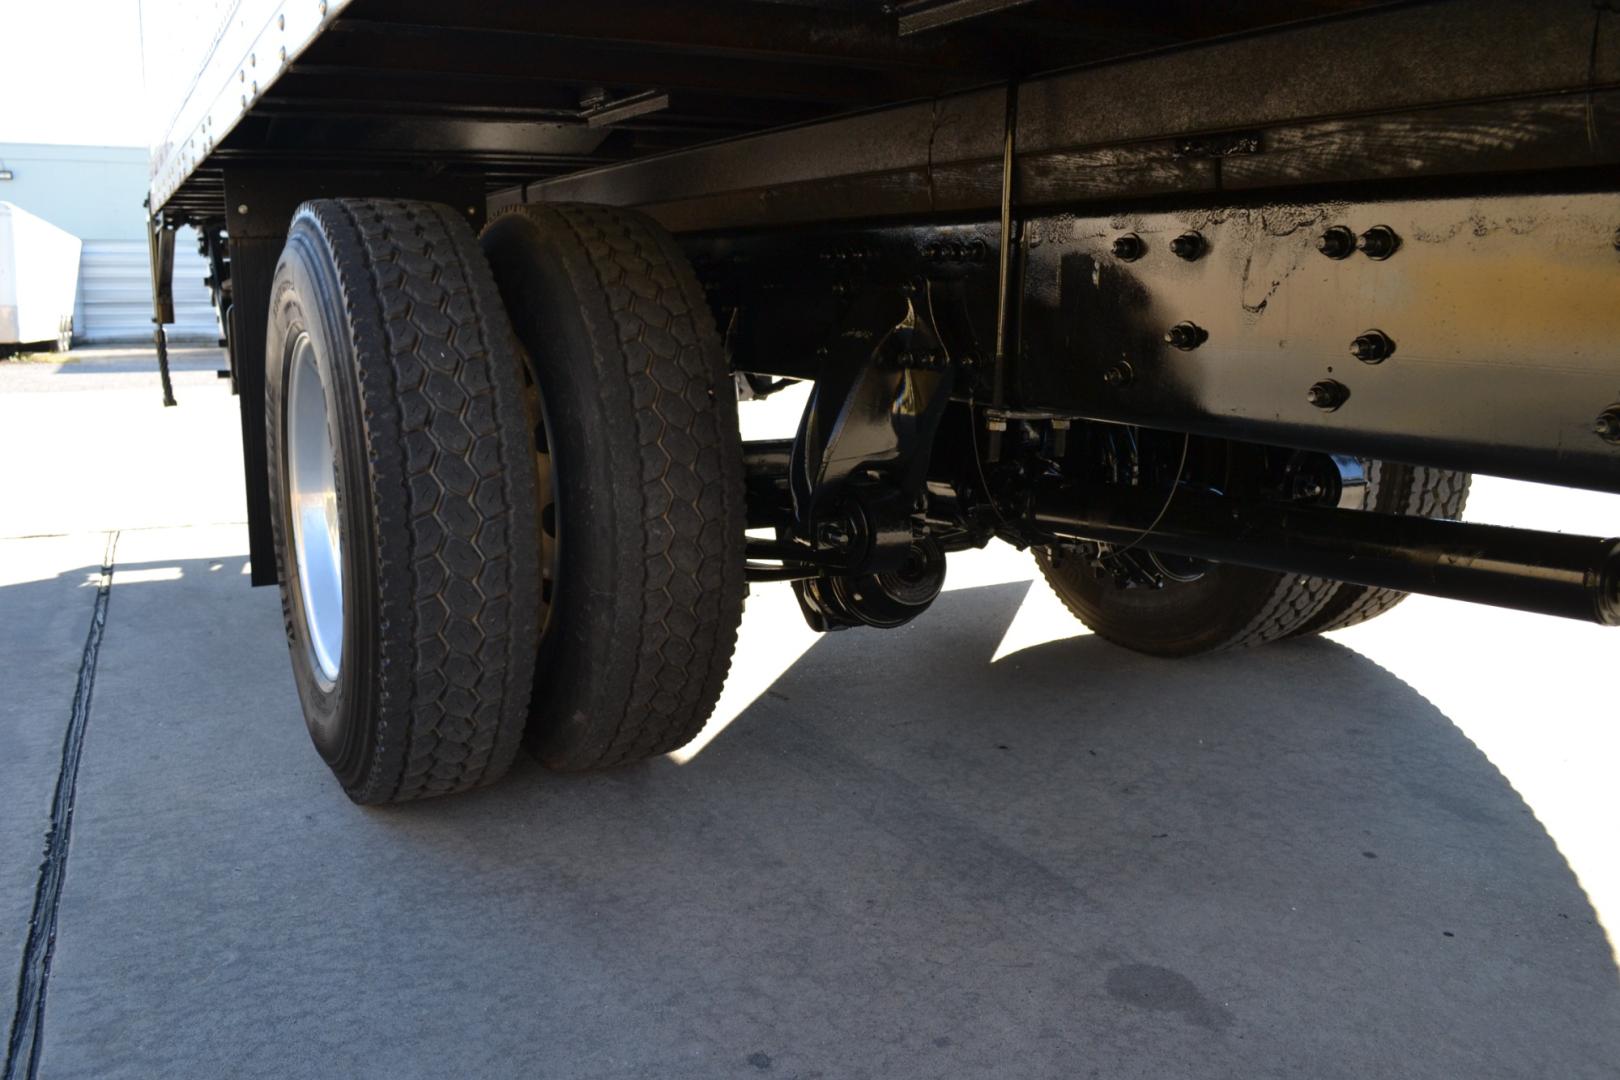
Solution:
(94, 192)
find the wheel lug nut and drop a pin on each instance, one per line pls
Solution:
(1337, 243)
(1378, 242)
(1186, 336)
(1328, 394)
(1129, 247)
(1373, 347)
(1188, 246)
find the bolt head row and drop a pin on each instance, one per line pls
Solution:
(1378, 242)
(974, 250)
(1129, 247)
(1118, 375)
(1328, 394)
(1186, 336)
(1607, 425)
(1189, 245)
(1372, 347)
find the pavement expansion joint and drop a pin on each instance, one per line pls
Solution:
(27, 1024)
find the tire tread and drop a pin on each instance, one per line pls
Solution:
(452, 492)
(660, 361)
(1425, 492)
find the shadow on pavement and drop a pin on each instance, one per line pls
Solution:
(902, 860)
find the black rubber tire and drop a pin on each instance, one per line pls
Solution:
(1235, 606)
(1416, 490)
(1228, 607)
(641, 425)
(434, 465)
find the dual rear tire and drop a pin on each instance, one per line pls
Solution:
(488, 533)
(507, 500)
(1226, 606)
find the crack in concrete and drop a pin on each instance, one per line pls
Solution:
(28, 1022)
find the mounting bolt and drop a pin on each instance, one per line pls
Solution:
(1119, 375)
(242, 209)
(1129, 247)
(1186, 336)
(1607, 425)
(1378, 242)
(835, 535)
(1328, 394)
(1337, 243)
(1189, 245)
(1372, 347)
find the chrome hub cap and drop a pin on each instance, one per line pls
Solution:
(317, 540)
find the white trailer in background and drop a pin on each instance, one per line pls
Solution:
(39, 276)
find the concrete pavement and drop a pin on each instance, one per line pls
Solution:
(985, 845)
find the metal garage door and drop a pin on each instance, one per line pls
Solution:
(115, 293)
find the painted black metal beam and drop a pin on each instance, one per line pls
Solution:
(364, 46)
(1452, 88)
(861, 39)
(1504, 340)
(917, 16)
(1576, 577)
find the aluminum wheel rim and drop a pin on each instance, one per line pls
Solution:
(312, 484)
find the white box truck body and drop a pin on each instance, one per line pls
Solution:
(39, 277)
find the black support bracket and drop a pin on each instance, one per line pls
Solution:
(861, 454)
(160, 256)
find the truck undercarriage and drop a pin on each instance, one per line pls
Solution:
(1215, 313)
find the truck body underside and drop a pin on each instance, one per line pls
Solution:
(1048, 265)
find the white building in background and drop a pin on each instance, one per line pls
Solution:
(95, 193)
